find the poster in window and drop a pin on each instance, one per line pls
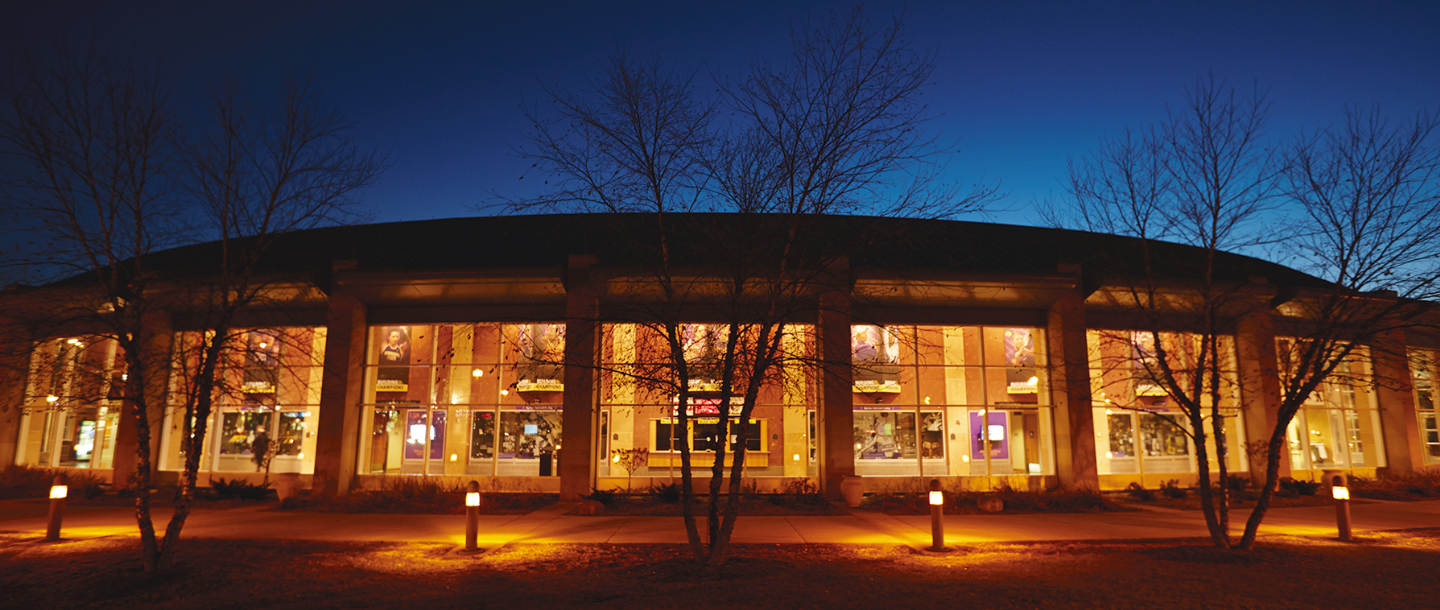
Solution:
(542, 350)
(1146, 360)
(991, 431)
(261, 363)
(416, 433)
(875, 354)
(1020, 352)
(707, 407)
(703, 345)
(875, 437)
(393, 374)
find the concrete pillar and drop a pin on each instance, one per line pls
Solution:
(14, 368)
(1394, 396)
(157, 339)
(341, 391)
(577, 421)
(1259, 386)
(1075, 462)
(837, 415)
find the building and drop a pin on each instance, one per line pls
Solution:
(496, 349)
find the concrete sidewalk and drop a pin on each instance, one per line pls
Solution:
(550, 525)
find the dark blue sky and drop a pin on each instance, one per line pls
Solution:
(1022, 86)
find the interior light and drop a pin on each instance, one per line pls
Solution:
(301, 456)
(797, 457)
(1034, 380)
(504, 392)
(616, 459)
(477, 373)
(927, 400)
(52, 399)
(453, 457)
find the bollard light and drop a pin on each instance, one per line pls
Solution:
(937, 525)
(472, 516)
(58, 491)
(1341, 492)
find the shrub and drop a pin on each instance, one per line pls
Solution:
(19, 481)
(1172, 489)
(239, 489)
(603, 496)
(668, 492)
(1237, 483)
(1138, 492)
(1298, 488)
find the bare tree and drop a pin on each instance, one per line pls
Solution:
(105, 181)
(838, 129)
(1201, 178)
(1210, 178)
(1367, 197)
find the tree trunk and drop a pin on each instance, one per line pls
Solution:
(1272, 480)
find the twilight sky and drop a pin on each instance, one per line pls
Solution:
(1021, 85)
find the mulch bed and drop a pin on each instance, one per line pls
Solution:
(1385, 570)
(750, 506)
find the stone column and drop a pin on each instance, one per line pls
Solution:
(156, 341)
(1395, 398)
(1070, 382)
(837, 415)
(14, 368)
(341, 391)
(577, 421)
(1259, 385)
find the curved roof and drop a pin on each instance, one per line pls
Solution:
(546, 241)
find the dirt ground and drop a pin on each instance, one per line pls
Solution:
(1380, 571)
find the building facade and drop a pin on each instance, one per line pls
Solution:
(491, 349)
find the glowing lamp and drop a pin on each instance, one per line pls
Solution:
(504, 392)
(472, 498)
(52, 399)
(937, 498)
(477, 373)
(797, 457)
(1340, 493)
(59, 491)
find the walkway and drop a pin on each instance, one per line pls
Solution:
(549, 525)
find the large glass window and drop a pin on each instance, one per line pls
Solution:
(464, 399)
(1139, 427)
(1338, 426)
(956, 400)
(639, 397)
(267, 401)
(1422, 373)
(72, 404)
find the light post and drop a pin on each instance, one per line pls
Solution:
(937, 525)
(472, 515)
(58, 491)
(1340, 490)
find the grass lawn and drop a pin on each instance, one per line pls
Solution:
(1381, 571)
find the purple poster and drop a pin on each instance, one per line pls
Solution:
(415, 435)
(995, 430)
